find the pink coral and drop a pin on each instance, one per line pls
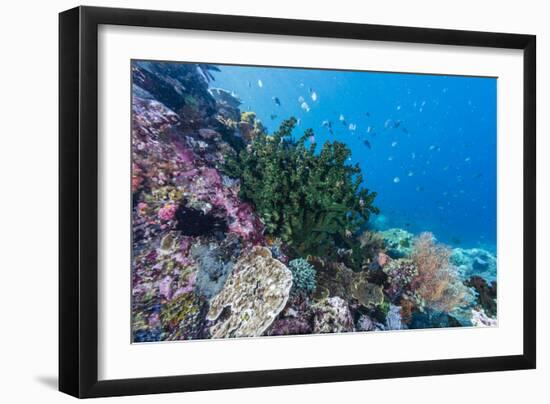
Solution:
(168, 211)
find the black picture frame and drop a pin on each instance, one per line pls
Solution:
(78, 201)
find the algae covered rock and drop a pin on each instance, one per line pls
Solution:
(252, 297)
(399, 242)
(332, 315)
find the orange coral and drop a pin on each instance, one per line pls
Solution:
(437, 282)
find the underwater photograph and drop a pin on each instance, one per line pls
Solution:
(274, 201)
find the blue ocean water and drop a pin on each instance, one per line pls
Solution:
(425, 143)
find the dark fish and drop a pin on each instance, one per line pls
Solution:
(277, 101)
(273, 116)
(478, 175)
(455, 240)
(367, 143)
(405, 130)
(397, 124)
(367, 113)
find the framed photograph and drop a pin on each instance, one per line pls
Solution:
(252, 201)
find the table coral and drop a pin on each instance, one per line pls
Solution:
(252, 297)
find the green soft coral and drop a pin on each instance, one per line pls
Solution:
(312, 201)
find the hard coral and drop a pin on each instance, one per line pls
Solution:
(252, 297)
(287, 184)
(303, 276)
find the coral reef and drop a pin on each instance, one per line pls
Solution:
(332, 315)
(398, 242)
(252, 297)
(296, 318)
(303, 276)
(486, 294)
(480, 319)
(437, 281)
(215, 263)
(393, 319)
(475, 262)
(368, 294)
(287, 184)
(333, 279)
(401, 273)
(238, 232)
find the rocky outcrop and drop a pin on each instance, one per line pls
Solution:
(332, 315)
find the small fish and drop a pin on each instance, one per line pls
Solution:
(305, 107)
(276, 100)
(478, 175)
(393, 144)
(367, 143)
(467, 159)
(370, 129)
(455, 240)
(248, 84)
(388, 124)
(398, 107)
(260, 83)
(314, 96)
(352, 127)
(432, 147)
(405, 130)
(273, 116)
(390, 158)
(396, 180)
(367, 113)
(343, 120)
(301, 99)
(327, 124)
(312, 139)
(410, 173)
(419, 189)
(413, 155)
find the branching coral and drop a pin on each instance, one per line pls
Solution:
(312, 201)
(437, 282)
(303, 276)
